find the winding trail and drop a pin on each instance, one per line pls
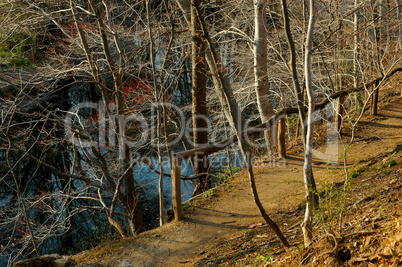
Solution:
(230, 212)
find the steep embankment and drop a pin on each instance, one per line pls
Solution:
(225, 227)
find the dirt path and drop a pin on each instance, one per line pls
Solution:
(231, 210)
(226, 214)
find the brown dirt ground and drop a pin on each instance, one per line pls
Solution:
(226, 229)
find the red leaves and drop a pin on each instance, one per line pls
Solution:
(139, 87)
(70, 29)
(33, 60)
(136, 93)
(7, 97)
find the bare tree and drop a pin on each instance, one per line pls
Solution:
(237, 118)
(264, 102)
(199, 99)
(158, 100)
(21, 197)
(307, 225)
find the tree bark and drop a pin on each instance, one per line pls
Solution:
(293, 61)
(281, 138)
(296, 85)
(398, 17)
(199, 99)
(219, 83)
(264, 102)
(122, 232)
(307, 225)
(374, 100)
(176, 188)
(158, 99)
(355, 45)
(340, 112)
(356, 55)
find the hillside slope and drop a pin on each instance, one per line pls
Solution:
(225, 228)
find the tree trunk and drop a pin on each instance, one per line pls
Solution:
(136, 223)
(293, 58)
(398, 17)
(307, 225)
(122, 232)
(356, 55)
(264, 102)
(374, 100)
(199, 107)
(158, 99)
(219, 83)
(281, 138)
(176, 189)
(340, 112)
(355, 45)
(296, 86)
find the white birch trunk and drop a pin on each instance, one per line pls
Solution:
(261, 68)
(307, 225)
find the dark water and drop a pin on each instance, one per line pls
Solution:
(148, 181)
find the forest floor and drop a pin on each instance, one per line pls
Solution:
(224, 226)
